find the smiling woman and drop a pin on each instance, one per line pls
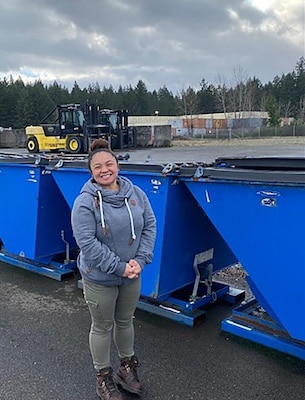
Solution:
(115, 229)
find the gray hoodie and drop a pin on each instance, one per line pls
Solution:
(111, 227)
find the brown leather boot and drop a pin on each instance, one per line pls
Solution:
(106, 388)
(127, 375)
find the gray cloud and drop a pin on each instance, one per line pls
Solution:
(174, 42)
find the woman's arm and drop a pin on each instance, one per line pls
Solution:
(95, 253)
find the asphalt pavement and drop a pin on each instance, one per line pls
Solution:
(44, 327)
(207, 153)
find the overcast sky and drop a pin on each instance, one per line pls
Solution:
(175, 43)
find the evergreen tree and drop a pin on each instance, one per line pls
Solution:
(108, 98)
(5, 112)
(94, 93)
(78, 96)
(300, 88)
(132, 102)
(58, 94)
(206, 98)
(273, 111)
(121, 99)
(27, 115)
(165, 102)
(14, 88)
(284, 96)
(143, 100)
(41, 100)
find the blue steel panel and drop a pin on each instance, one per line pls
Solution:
(70, 181)
(188, 231)
(53, 218)
(264, 224)
(34, 213)
(19, 203)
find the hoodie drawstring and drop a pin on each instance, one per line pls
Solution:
(102, 212)
(133, 234)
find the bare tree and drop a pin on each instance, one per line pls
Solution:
(285, 107)
(189, 103)
(240, 80)
(249, 96)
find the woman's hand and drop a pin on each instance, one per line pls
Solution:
(136, 268)
(132, 269)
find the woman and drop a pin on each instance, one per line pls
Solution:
(115, 229)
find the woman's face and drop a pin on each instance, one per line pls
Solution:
(104, 169)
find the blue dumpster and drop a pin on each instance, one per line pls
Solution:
(34, 220)
(257, 207)
(184, 231)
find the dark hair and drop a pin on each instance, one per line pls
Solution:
(97, 146)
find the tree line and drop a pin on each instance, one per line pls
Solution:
(23, 104)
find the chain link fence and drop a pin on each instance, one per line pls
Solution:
(250, 133)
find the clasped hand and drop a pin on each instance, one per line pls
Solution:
(132, 269)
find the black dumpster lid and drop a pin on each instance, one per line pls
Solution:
(250, 175)
(14, 158)
(262, 163)
(183, 169)
(126, 166)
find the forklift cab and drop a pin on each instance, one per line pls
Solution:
(64, 120)
(71, 120)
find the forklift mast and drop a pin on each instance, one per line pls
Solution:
(111, 125)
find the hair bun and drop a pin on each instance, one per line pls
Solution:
(99, 144)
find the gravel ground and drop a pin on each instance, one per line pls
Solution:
(234, 276)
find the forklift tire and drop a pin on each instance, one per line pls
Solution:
(32, 145)
(75, 145)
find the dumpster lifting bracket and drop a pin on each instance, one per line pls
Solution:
(168, 310)
(54, 270)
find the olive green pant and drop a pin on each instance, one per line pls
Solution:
(112, 311)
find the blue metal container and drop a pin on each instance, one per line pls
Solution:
(257, 207)
(34, 219)
(183, 231)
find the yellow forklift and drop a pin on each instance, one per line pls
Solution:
(71, 128)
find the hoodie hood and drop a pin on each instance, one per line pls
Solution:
(117, 198)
